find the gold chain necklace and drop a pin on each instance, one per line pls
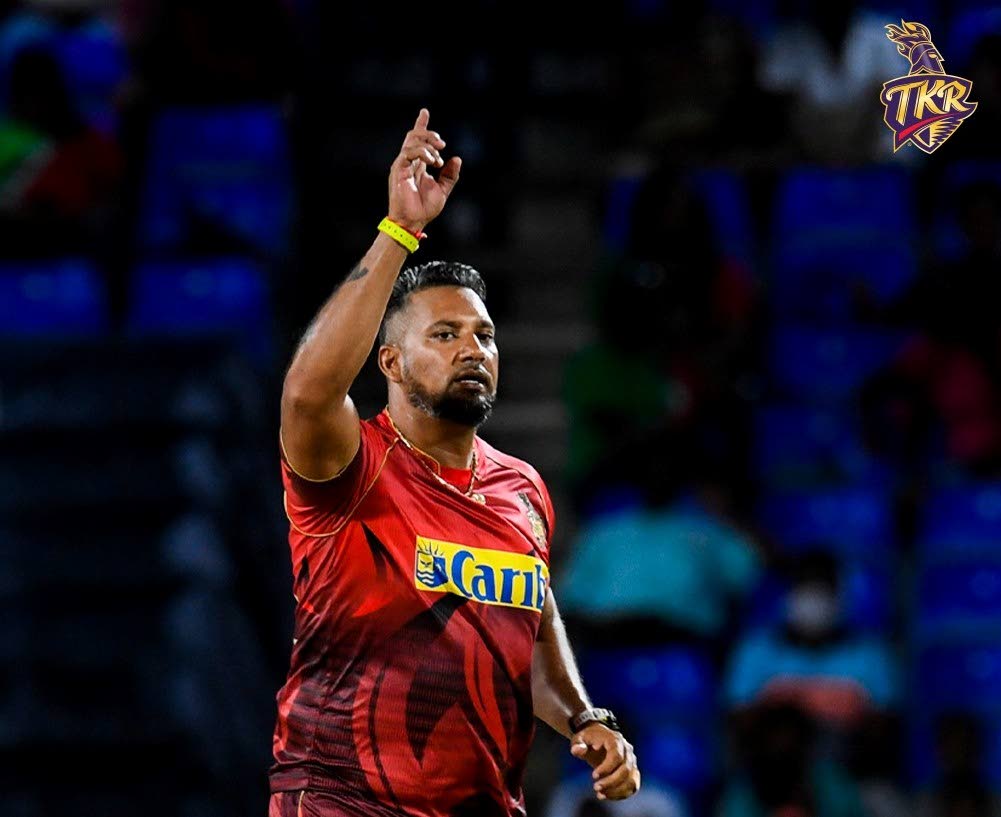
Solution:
(421, 455)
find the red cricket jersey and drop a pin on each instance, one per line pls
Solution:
(417, 611)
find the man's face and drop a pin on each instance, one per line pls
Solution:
(447, 355)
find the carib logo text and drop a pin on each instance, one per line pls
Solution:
(488, 576)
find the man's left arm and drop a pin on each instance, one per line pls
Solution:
(558, 694)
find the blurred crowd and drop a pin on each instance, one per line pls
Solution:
(784, 441)
(783, 565)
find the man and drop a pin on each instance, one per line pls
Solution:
(426, 635)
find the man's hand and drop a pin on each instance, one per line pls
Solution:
(415, 196)
(615, 775)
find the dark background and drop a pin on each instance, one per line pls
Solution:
(754, 352)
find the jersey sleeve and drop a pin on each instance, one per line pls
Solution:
(320, 508)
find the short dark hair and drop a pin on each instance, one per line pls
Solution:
(425, 276)
(818, 564)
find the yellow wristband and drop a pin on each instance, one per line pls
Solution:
(398, 234)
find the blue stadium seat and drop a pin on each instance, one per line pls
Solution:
(59, 297)
(947, 236)
(619, 198)
(963, 674)
(765, 605)
(828, 365)
(683, 756)
(968, 25)
(804, 443)
(226, 296)
(227, 167)
(95, 63)
(867, 596)
(869, 601)
(725, 197)
(959, 597)
(856, 521)
(644, 682)
(961, 172)
(964, 519)
(723, 194)
(833, 228)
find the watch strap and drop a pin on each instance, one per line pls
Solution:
(594, 715)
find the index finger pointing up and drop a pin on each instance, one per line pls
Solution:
(422, 119)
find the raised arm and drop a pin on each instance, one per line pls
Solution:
(319, 423)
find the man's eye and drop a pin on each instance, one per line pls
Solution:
(487, 337)
(445, 334)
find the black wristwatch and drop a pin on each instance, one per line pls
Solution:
(602, 716)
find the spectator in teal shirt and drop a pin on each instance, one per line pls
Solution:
(812, 659)
(676, 563)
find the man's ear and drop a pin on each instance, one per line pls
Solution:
(389, 362)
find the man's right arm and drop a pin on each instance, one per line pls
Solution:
(319, 423)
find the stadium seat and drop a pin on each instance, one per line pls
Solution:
(725, 197)
(225, 168)
(63, 297)
(970, 22)
(964, 674)
(855, 521)
(797, 444)
(959, 597)
(95, 63)
(723, 194)
(619, 198)
(835, 228)
(828, 365)
(227, 296)
(867, 596)
(107, 382)
(54, 472)
(959, 173)
(961, 520)
(680, 755)
(648, 681)
(948, 239)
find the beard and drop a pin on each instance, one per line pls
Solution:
(470, 410)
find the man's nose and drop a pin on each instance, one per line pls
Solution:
(473, 349)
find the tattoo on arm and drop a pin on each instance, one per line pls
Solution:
(358, 272)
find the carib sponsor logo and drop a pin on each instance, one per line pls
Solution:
(488, 576)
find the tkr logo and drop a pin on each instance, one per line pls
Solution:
(925, 107)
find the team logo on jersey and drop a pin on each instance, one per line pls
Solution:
(430, 570)
(538, 527)
(488, 576)
(926, 106)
